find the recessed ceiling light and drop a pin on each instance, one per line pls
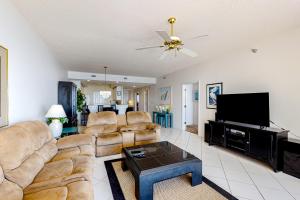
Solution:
(88, 80)
(134, 86)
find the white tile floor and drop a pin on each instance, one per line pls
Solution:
(245, 178)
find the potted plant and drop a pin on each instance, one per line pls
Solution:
(80, 103)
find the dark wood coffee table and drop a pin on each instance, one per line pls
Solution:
(162, 161)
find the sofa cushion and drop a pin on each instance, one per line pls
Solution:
(74, 141)
(10, 191)
(38, 131)
(109, 128)
(138, 117)
(74, 191)
(80, 190)
(55, 169)
(48, 151)
(109, 139)
(83, 164)
(52, 183)
(86, 150)
(58, 193)
(19, 141)
(97, 130)
(60, 173)
(145, 135)
(121, 120)
(109, 149)
(66, 153)
(94, 130)
(25, 173)
(102, 118)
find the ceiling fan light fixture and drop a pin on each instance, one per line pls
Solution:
(173, 37)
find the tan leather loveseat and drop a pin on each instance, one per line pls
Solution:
(34, 165)
(114, 132)
(144, 130)
(103, 126)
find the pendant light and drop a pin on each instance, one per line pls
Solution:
(105, 69)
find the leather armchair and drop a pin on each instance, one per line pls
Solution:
(103, 126)
(144, 130)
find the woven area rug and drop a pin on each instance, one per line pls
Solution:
(179, 188)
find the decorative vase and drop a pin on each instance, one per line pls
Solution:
(56, 128)
(79, 117)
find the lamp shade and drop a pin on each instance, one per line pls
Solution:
(56, 111)
(130, 102)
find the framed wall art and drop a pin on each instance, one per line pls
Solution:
(212, 90)
(3, 86)
(165, 95)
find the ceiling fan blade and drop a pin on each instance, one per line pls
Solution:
(199, 36)
(164, 35)
(163, 55)
(188, 52)
(149, 47)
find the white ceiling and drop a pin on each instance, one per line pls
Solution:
(86, 35)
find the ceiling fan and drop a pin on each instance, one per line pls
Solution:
(172, 43)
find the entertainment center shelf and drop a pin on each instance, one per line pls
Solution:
(262, 143)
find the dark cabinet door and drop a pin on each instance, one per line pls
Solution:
(67, 97)
(206, 132)
(260, 145)
(217, 134)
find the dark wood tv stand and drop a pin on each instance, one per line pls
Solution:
(262, 143)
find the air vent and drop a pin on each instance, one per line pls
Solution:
(125, 78)
(93, 76)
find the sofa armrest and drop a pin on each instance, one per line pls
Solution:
(94, 130)
(126, 128)
(153, 126)
(136, 127)
(74, 141)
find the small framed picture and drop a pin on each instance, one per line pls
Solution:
(165, 95)
(196, 95)
(212, 90)
(3, 87)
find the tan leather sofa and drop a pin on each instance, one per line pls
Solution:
(113, 132)
(34, 165)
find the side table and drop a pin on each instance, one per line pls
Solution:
(69, 131)
(163, 118)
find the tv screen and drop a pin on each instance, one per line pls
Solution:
(252, 108)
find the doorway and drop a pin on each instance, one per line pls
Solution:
(137, 102)
(190, 93)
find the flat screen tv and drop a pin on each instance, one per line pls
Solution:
(251, 108)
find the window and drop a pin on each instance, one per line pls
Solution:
(102, 97)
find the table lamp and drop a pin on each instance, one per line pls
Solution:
(55, 113)
(130, 103)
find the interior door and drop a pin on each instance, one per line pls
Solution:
(187, 105)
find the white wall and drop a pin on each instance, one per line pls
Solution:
(275, 68)
(33, 72)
